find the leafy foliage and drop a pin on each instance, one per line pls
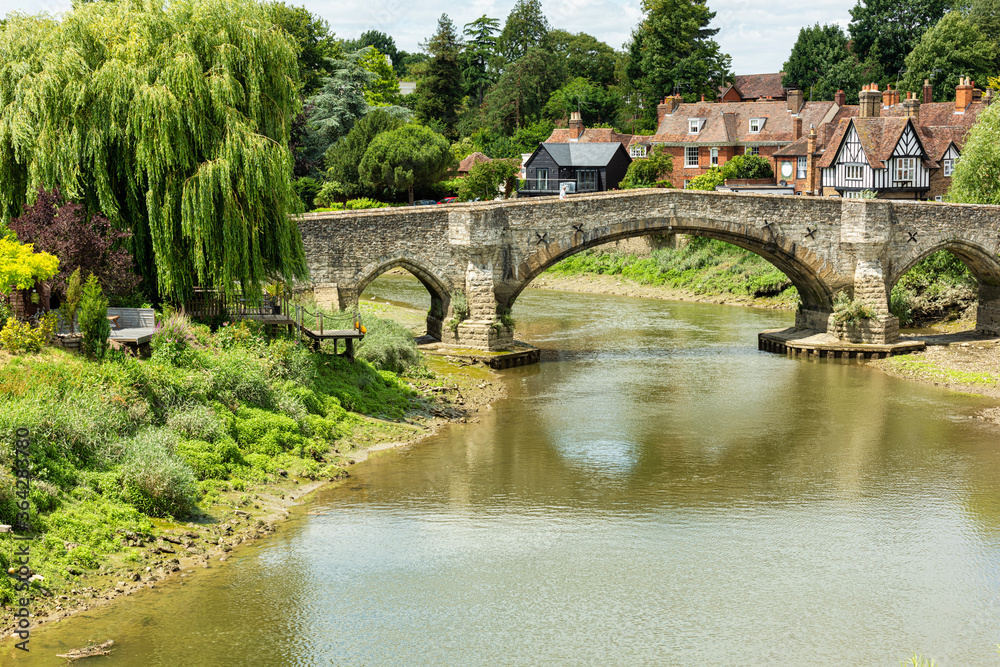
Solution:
(388, 346)
(81, 242)
(977, 175)
(478, 55)
(888, 30)
(17, 337)
(94, 319)
(171, 119)
(383, 87)
(71, 300)
(410, 156)
(523, 90)
(487, 180)
(817, 49)
(314, 43)
(439, 91)
(21, 267)
(595, 104)
(739, 166)
(526, 28)
(646, 172)
(344, 157)
(952, 48)
(585, 56)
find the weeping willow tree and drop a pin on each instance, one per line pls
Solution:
(171, 118)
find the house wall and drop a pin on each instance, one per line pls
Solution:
(615, 171)
(543, 160)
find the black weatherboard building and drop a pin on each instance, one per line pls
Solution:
(591, 167)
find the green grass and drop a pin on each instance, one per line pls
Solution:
(931, 371)
(704, 267)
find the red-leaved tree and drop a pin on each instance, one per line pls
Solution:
(88, 243)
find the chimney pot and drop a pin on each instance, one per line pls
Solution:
(840, 98)
(575, 125)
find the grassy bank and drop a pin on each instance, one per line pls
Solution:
(139, 463)
(703, 267)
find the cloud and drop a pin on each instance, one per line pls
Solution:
(759, 36)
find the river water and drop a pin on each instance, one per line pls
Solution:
(656, 491)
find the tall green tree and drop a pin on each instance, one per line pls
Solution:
(314, 43)
(343, 158)
(409, 157)
(526, 28)
(585, 56)
(171, 119)
(850, 75)
(382, 88)
(519, 97)
(382, 42)
(891, 28)
(673, 50)
(439, 91)
(478, 56)
(952, 49)
(488, 180)
(332, 112)
(595, 104)
(977, 174)
(817, 49)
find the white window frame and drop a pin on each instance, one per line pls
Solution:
(801, 166)
(949, 167)
(906, 170)
(686, 181)
(637, 150)
(751, 150)
(542, 176)
(756, 125)
(688, 162)
(852, 194)
(854, 172)
(714, 157)
(938, 198)
(694, 125)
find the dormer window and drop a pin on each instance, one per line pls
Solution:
(694, 125)
(756, 125)
(637, 150)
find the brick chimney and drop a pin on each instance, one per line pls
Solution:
(928, 92)
(840, 98)
(963, 95)
(911, 107)
(795, 100)
(669, 105)
(988, 96)
(811, 161)
(870, 101)
(887, 96)
(575, 125)
(796, 128)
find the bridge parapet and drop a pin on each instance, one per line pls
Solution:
(490, 251)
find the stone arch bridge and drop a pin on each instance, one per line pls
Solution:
(490, 251)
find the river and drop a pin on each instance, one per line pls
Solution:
(656, 491)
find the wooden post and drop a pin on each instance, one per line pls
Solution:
(350, 349)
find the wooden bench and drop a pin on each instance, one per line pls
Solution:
(135, 325)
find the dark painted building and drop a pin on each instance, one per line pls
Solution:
(590, 167)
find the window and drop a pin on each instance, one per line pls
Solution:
(752, 150)
(637, 150)
(691, 156)
(801, 169)
(715, 157)
(906, 168)
(949, 166)
(938, 198)
(756, 125)
(542, 178)
(587, 179)
(694, 125)
(854, 172)
(686, 181)
(852, 194)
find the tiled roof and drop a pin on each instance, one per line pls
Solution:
(595, 135)
(729, 122)
(794, 149)
(582, 155)
(756, 86)
(469, 162)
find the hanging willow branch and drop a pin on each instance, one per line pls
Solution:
(170, 118)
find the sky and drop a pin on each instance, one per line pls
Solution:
(758, 35)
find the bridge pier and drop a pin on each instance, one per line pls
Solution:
(988, 309)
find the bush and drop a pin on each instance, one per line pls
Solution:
(172, 339)
(261, 432)
(210, 460)
(364, 202)
(846, 309)
(17, 337)
(94, 319)
(241, 333)
(388, 346)
(241, 374)
(154, 480)
(196, 421)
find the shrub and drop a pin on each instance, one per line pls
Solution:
(846, 309)
(154, 480)
(71, 301)
(241, 333)
(290, 361)
(172, 338)
(17, 337)
(210, 460)
(196, 421)
(241, 374)
(362, 203)
(261, 432)
(94, 319)
(389, 346)
(93, 523)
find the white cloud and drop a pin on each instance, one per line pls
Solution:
(759, 36)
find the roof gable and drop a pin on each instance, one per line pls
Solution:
(584, 155)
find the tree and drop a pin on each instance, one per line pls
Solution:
(487, 180)
(343, 158)
(849, 75)
(985, 15)
(647, 172)
(78, 240)
(672, 50)
(74, 292)
(526, 28)
(173, 120)
(951, 49)
(595, 104)
(815, 51)
(21, 267)
(523, 90)
(740, 166)
(479, 53)
(382, 42)
(977, 174)
(410, 156)
(892, 28)
(313, 40)
(585, 56)
(340, 102)
(94, 319)
(382, 89)
(439, 91)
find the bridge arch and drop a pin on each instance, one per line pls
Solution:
(983, 264)
(812, 276)
(439, 290)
